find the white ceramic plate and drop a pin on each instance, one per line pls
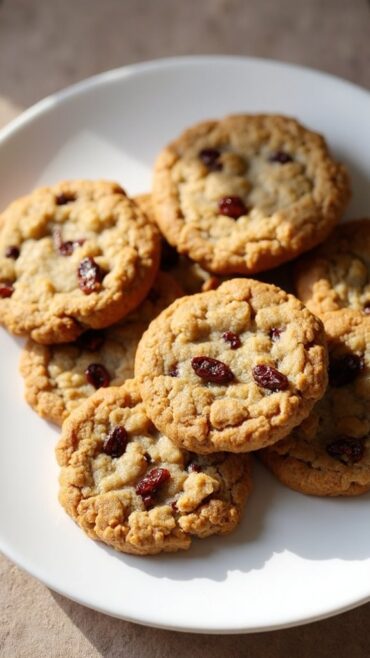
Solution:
(294, 558)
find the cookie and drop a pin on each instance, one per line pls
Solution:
(232, 369)
(337, 274)
(58, 378)
(190, 275)
(74, 256)
(329, 453)
(130, 487)
(248, 192)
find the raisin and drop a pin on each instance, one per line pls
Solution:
(347, 450)
(169, 257)
(89, 275)
(281, 157)
(148, 501)
(116, 442)
(275, 333)
(152, 481)
(233, 339)
(12, 252)
(64, 198)
(232, 206)
(6, 289)
(65, 248)
(345, 369)
(173, 371)
(210, 157)
(212, 370)
(91, 340)
(97, 375)
(270, 378)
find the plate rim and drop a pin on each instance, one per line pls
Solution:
(46, 105)
(60, 96)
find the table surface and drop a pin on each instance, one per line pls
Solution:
(45, 46)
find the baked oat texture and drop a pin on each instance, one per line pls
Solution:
(337, 274)
(47, 303)
(293, 191)
(301, 461)
(241, 415)
(203, 496)
(54, 375)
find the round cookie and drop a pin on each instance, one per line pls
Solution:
(59, 377)
(337, 274)
(232, 369)
(76, 255)
(248, 192)
(329, 453)
(130, 487)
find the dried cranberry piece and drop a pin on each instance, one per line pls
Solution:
(194, 468)
(275, 333)
(152, 481)
(89, 275)
(233, 339)
(212, 370)
(173, 371)
(64, 198)
(12, 252)
(210, 157)
(345, 369)
(97, 375)
(116, 442)
(91, 340)
(270, 378)
(281, 157)
(169, 257)
(232, 206)
(6, 289)
(367, 308)
(346, 449)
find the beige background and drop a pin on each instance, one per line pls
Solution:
(47, 44)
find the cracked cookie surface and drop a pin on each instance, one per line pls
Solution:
(130, 487)
(248, 192)
(337, 274)
(329, 453)
(273, 358)
(55, 376)
(76, 255)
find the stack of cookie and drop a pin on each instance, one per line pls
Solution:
(163, 397)
(328, 454)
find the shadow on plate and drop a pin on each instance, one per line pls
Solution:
(276, 520)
